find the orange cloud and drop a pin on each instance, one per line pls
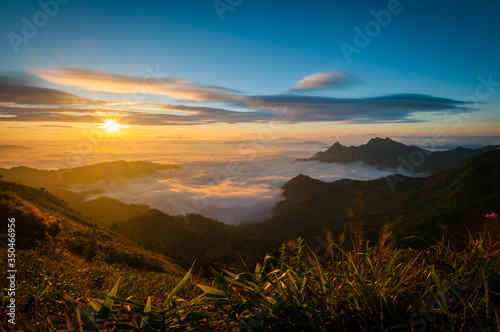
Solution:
(94, 80)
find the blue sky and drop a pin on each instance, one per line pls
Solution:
(432, 48)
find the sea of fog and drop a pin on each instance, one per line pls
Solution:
(236, 181)
(232, 192)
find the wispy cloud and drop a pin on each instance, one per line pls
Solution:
(22, 101)
(323, 81)
(389, 108)
(94, 80)
(16, 91)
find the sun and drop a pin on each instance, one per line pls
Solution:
(111, 126)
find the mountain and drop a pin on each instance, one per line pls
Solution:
(103, 210)
(172, 232)
(391, 154)
(192, 233)
(456, 198)
(84, 174)
(185, 238)
(14, 148)
(43, 219)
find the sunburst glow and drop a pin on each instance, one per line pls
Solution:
(111, 126)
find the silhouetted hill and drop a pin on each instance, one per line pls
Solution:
(44, 218)
(171, 232)
(108, 210)
(192, 233)
(460, 195)
(391, 154)
(212, 243)
(103, 209)
(84, 174)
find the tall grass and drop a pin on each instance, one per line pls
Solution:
(344, 285)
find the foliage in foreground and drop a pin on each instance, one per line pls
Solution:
(344, 284)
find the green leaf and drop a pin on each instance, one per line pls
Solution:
(185, 305)
(256, 274)
(88, 319)
(221, 281)
(105, 310)
(178, 287)
(147, 311)
(95, 305)
(68, 300)
(212, 291)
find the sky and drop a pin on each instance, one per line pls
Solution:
(222, 68)
(207, 83)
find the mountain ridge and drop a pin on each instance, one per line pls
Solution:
(388, 153)
(460, 195)
(82, 174)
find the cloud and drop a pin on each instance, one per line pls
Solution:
(20, 101)
(249, 194)
(94, 80)
(56, 126)
(16, 91)
(201, 115)
(390, 108)
(296, 109)
(323, 81)
(59, 113)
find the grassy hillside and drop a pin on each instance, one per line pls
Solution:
(78, 235)
(103, 210)
(337, 287)
(76, 276)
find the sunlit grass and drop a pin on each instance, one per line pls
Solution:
(347, 285)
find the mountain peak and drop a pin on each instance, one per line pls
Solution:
(301, 177)
(388, 153)
(383, 142)
(380, 140)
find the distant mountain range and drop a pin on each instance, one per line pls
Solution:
(84, 174)
(104, 210)
(387, 153)
(456, 197)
